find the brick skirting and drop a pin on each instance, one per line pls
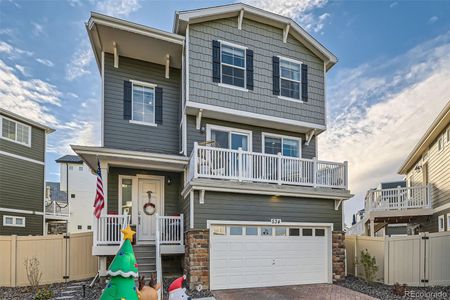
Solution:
(338, 250)
(196, 258)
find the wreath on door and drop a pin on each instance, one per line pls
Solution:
(149, 208)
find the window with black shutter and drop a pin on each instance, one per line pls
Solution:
(232, 65)
(290, 79)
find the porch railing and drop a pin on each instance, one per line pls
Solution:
(398, 198)
(219, 163)
(170, 230)
(107, 229)
(57, 209)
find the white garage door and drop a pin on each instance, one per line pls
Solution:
(244, 256)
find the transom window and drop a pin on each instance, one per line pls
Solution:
(15, 131)
(143, 101)
(290, 79)
(285, 145)
(233, 65)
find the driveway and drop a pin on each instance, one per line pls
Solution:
(307, 291)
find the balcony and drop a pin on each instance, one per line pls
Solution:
(217, 163)
(57, 210)
(401, 198)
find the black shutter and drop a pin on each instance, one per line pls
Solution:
(249, 67)
(304, 83)
(276, 75)
(216, 60)
(158, 105)
(127, 90)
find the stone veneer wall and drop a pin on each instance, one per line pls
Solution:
(196, 258)
(338, 255)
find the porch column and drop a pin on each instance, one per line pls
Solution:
(102, 269)
(372, 227)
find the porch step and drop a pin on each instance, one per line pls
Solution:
(146, 259)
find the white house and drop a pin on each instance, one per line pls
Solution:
(77, 180)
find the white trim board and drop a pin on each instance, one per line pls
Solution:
(267, 223)
(21, 157)
(22, 211)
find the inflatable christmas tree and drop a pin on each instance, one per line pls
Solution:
(123, 270)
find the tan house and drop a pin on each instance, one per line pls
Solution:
(422, 202)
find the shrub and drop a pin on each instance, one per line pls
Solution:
(43, 294)
(369, 264)
(399, 289)
(34, 274)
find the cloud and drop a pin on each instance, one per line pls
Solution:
(301, 11)
(45, 62)
(433, 19)
(38, 29)
(12, 51)
(379, 111)
(22, 70)
(118, 8)
(75, 133)
(80, 63)
(393, 4)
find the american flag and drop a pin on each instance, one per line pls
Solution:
(99, 197)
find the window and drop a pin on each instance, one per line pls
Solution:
(72, 196)
(143, 103)
(71, 168)
(80, 168)
(307, 232)
(89, 227)
(218, 230)
(79, 227)
(125, 195)
(290, 79)
(235, 230)
(233, 65)
(287, 146)
(266, 230)
(13, 221)
(15, 131)
(294, 231)
(441, 223)
(448, 222)
(280, 231)
(251, 230)
(441, 143)
(319, 232)
(229, 138)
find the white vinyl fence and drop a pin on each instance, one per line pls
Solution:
(417, 260)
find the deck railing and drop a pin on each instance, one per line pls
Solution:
(219, 163)
(170, 230)
(57, 209)
(398, 198)
(107, 229)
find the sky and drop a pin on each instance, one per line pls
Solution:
(391, 81)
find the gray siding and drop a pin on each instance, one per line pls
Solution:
(266, 41)
(430, 224)
(195, 135)
(37, 149)
(171, 192)
(119, 133)
(241, 207)
(33, 225)
(21, 184)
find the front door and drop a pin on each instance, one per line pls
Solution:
(150, 191)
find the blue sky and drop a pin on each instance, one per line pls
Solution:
(392, 78)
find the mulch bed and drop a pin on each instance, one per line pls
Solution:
(383, 291)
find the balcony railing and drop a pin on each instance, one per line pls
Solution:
(219, 163)
(107, 229)
(398, 198)
(170, 230)
(57, 209)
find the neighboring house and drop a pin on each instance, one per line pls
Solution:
(77, 183)
(209, 148)
(22, 173)
(421, 203)
(56, 209)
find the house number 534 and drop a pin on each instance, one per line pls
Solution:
(275, 221)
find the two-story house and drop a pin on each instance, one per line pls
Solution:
(22, 172)
(209, 148)
(421, 203)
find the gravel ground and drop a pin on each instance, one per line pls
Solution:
(25, 293)
(382, 291)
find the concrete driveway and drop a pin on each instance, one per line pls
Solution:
(307, 291)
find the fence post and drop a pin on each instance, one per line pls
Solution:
(13, 276)
(386, 260)
(279, 168)
(240, 163)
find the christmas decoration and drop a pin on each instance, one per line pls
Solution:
(176, 290)
(123, 270)
(148, 292)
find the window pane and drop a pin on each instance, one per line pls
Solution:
(127, 202)
(272, 145)
(149, 104)
(307, 231)
(143, 104)
(251, 230)
(294, 231)
(9, 129)
(19, 221)
(280, 231)
(233, 56)
(8, 220)
(239, 141)
(290, 89)
(320, 232)
(234, 230)
(290, 70)
(233, 76)
(218, 230)
(22, 133)
(266, 230)
(220, 138)
(290, 148)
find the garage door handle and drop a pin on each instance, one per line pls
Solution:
(273, 262)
